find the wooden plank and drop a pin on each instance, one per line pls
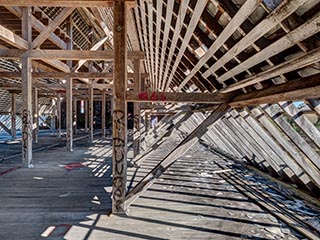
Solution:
(52, 26)
(200, 6)
(285, 160)
(247, 8)
(304, 88)
(11, 38)
(153, 75)
(144, 35)
(278, 15)
(61, 3)
(5, 128)
(257, 154)
(165, 39)
(300, 159)
(178, 27)
(302, 121)
(91, 112)
(157, 41)
(301, 33)
(214, 98)
(26, 95)
(171, 157)
(119, 131)
(285, 67)
(274, 112)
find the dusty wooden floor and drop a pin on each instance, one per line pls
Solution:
(188, 202)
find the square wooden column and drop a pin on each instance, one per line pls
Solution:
(26, 92)
(91, 111)
(59, 114)
(69, 117)
(136, 108)
(119, 129)
(13, 116)
(103, 115)
(35, 115)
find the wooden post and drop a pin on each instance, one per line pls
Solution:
(91, 113)
(59, 114)
(136, 109)
(35, 115)
(13, 116)
(69, 91)
(86, 109)
(103, 115)
(74, 110)
(26, 92)
(119, 162)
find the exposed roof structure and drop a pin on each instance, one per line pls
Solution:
(243, 76)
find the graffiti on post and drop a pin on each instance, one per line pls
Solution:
(26, 135)
(119, 156)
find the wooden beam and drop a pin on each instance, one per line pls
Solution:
(52, 26)
(11, 38)
(304, 88)
(247, 8)
(285, 67)
(64, 75)
(103, 115)
(61, 3)
(5, 128)
(196, 15)
(35, 115)
(278, 15)
(170, 158)
(133, 96)
(301, 33)
(180, 18)
(65, 54)
(119, 131)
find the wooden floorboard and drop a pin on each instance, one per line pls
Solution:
(188, 202)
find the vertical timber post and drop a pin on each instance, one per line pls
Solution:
(136, 108)
(86, 115)
(59, 114)
(13, 116)
(103, 115)
(74, 110)
(119, 162)
(35, 115)
(69, 91)
(26, 89)
(91, 112)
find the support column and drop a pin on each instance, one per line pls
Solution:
(103, 115)
(26, 92)
(91, 112)
(74, 110)
(59, 114)
(69, 92)
(13, 116)
(86, 109)
(119, 163)
(35, 115)
(136, 109)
